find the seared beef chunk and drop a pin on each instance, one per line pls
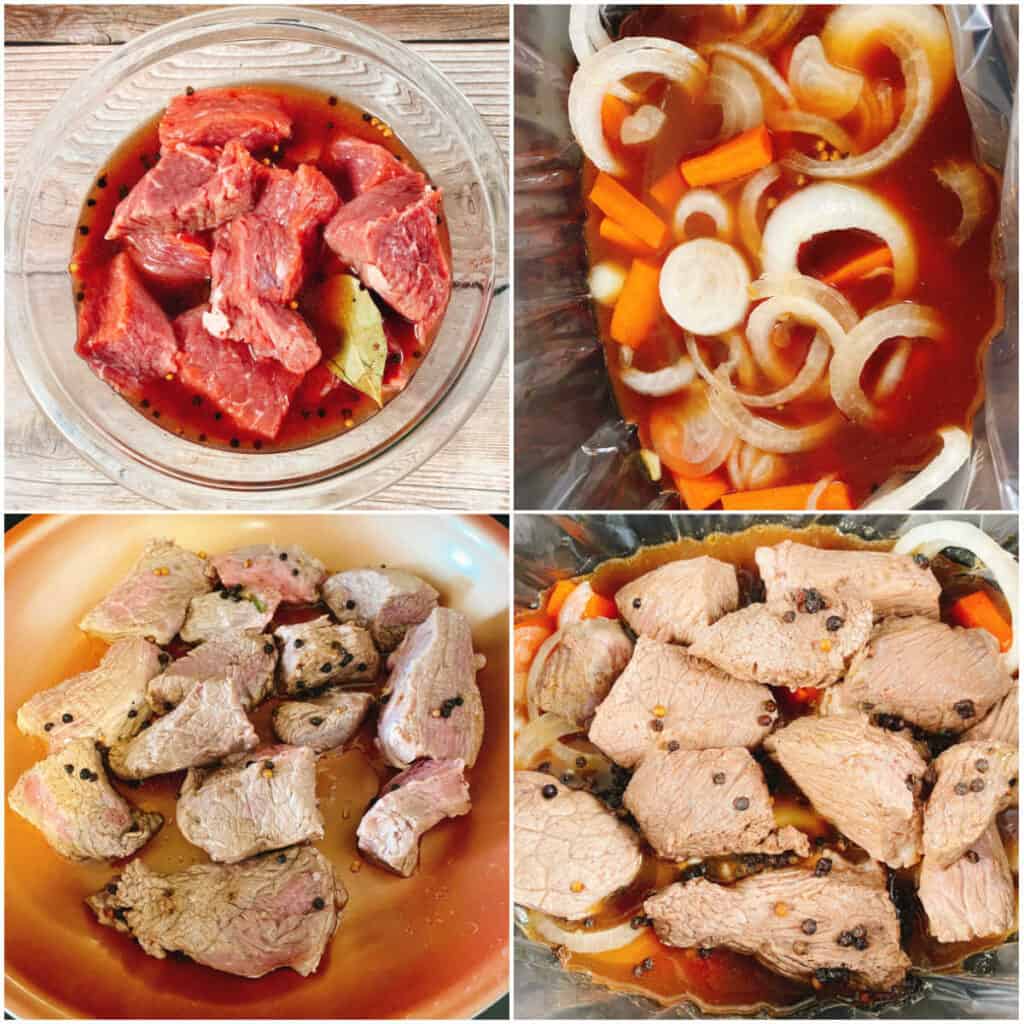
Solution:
(1002, 721)
(360, 165)
(666, 696)
(702, 803)
(974, 782)
(384, 601)
(571, 852)
(866, 781)
(805, 638)
(674, 602)
(107, 703)
(409, 805)
(840, 925)
(578, 668)
(894, 584)
(152, 600)
(247, 662)
(251, 802)
(290, 571)
(213, 117)
(208, 724)
(172, 260)
(319, 653)
(68, 798)
(434, 708)
(321, 723)
(279, 910)
(974, 897)
(123, 334)
(238, 611)
(926, 672)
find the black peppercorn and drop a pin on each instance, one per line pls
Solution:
(83, 230)
(281, 858)
(549, 792)
(350, 604)
(361, 667)
(673, 746)
(326, 667)
(316, 720)
(636, 602)
(133, 713)
(48, 726)
(741, 803)
(960, 789)
(809, 926)
(972, 856)
(789, 617)
(981, 764)
(657, 725)
(718, 778)
(268, 648)
(283, 556)
(922, 561)
(84, 774)
(332, 101)
(823, 867)
(318, 904)
(764, 720)
(977, 785)
(67, 718)
(833, 623)
(70, 769)
(189, 91)
(295, 572)
(300, 643)
(964, 708)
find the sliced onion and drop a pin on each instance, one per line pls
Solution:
(931, 538)
(818, 85)
(762, 68)
(536, 736)
(812, 124)
(968, 182)
(750, 200)
(605, 69)
(535, 671)
(830, 206)
(595, 762)
(771, 25)
(956, 450)
(703, 286)
(659, 383)
(751, 469)
(586, 940)
(606, 281)
(740, 361)
(902, 320)
(833, 301)
(642, 126)
(587, 35)
(706, 201)
(575, 605)
(890, 377)
(817, 491)
(810, 373)
(688, 437)
(732, 87)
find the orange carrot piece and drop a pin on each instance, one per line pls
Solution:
(859, 266)
(618, 235)
(599, 607)
(668, 189)
(530, 632)
(978, 611)
(559, 592)
(623, 207)
(613, 112)
(701, 492)
(806, 695)
(639, 305)
(792, 498)
(747, 152)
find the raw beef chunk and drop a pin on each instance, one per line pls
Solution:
(213, 117)
(321, 723)
(172, 260)
(360, 165)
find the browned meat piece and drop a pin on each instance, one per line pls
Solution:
(866, 781)
(359, 165)
(171, 260)
(385, 601)
(261, 800)
(974, 897)
(152, 600)
(320, 653)
(208, 724)
(804, 639)
(834, 926)
(702, 803)
(410, 805)
(571, 851)
(106, 704)
(247, 662)
(434, 707)
(577, 671)
(279, 910)
(213, 117)
(69, 799)
(894, 584)
(675, 601)
(1002, 721)
(123, 334)
(290, 571)
(223, 611)
(926, 672)
(666, 696)
(321, 723)
(974, 782)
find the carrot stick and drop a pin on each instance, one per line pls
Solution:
(623, 207)
(618, 235)
(792, 498)
(613, 112)
(749, 151)
(599, 607)
(639, 304)
(559, 592)
(668, 189)
(530, 632)
(859, 266)
(701, 492)
(978, 611)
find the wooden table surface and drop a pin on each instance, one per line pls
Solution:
(47, 48)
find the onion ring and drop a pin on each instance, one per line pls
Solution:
(537, 736)
(771, 25)
(898, 497)
(818, 85)
(812, 124)
(732, 87)
(750, 200)
(703, 286)
(751, 469)
(759, 65)
(968, 182)
(642, 126)
(586, 940)
(708, 202)
(659, 383)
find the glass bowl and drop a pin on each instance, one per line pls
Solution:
(250, 44)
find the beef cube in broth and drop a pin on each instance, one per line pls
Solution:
(667, 697)
(223, 611)
(208, 724)
(176, 260)
(675, 601)
(106, 704)
(433, 708)
(571, 852)
(319, 653)
(290, 572)
(408, 806)
(358, 165)
(863, 779)
(1002, 722)
(321, 723)
(69, 799)
(384, 601)
(706, 803)
(214, 117)
(261, 800)
(278, 910)
(153, 599)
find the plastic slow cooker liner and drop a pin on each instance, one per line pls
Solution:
(551, 547)
(573, 449)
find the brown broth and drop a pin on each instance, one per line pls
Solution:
(943, 383)
(317, 117)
